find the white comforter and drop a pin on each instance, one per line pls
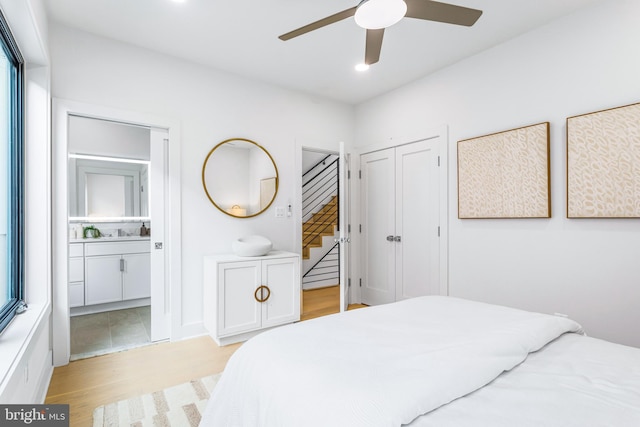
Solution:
(380, 366)
(575, 381)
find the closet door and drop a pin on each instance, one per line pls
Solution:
(417, 219)
(378, 227)
(400, 212)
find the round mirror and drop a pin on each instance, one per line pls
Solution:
(240, 178)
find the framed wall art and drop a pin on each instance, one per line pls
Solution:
(603, 164)
(505, 174)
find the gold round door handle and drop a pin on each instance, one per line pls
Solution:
(260, 289)
(255, 294)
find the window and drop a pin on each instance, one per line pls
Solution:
(11, 178)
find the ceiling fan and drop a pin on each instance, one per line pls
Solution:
(376, 15)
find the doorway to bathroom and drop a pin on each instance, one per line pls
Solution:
(114, 222)
(109, 236)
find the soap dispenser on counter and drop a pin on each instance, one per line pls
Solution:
(144, 231)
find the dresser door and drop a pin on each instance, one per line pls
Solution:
(238, 309)
(282, 278)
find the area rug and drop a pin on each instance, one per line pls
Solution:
(177, 406)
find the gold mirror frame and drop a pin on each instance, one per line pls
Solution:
(220, 208)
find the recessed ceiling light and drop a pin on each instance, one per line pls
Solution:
(179, 1)
(362, 67)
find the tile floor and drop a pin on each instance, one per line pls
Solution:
(101, 333)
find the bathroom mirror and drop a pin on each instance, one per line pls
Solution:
(240, 178)
(105, 188)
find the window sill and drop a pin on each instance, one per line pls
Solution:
(15, 340)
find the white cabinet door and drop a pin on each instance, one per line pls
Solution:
(103, 279)
(238, 309)
(76, 294)
(283, 304)
(136, 281)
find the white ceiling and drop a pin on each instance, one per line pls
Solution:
(241, 36)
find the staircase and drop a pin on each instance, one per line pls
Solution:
(320, 211)
(322, 224)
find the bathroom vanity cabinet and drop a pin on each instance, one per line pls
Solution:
(246, 295)
(106, 271)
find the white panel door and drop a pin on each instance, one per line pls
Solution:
(135, 277)
(378, 227)
(282, 277)
(344, 210)
(238, 310)
(400, 211)
(417, 220)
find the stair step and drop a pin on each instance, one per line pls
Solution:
(321, 224)
(328, 228)
(326, 218)
(307, 237)
(327, 231)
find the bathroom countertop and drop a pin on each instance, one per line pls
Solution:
(109, 239)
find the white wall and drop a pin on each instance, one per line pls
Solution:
(211, 106)
(26, 358)
(585, 62)
(110, 139)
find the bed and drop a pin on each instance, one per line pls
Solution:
(429, 361)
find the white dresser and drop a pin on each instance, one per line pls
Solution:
(246, 295)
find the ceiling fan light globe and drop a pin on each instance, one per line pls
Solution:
(377, 14)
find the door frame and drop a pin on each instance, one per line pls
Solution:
(441, 133)
(61, 111)
(344, 219)
(297, 214)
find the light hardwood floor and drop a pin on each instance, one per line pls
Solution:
(88, 383)
(320, 302)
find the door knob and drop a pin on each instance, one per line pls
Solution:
(390, 238)
(397, 239)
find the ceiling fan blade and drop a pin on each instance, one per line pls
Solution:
(374, 45)
(442, 12)
(320, 23)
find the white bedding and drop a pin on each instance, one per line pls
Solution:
(380, 366)
(575, 381)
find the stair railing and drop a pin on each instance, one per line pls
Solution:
(327, 268)
(320, 185)
(319, 188)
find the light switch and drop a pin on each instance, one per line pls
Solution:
(279, 212)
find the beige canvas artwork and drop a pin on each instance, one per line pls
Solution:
(505, 175)
(603, 164)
